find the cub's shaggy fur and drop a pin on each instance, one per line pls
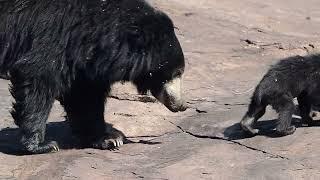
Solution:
(290, 78)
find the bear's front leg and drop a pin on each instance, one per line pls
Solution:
(33, 101)
(112, 139)
(84, 106)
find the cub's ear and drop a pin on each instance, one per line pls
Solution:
(135, 37)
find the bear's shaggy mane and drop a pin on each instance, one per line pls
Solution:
(69, 29)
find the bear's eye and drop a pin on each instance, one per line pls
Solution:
(164, 82)
(134, 31)
(177, 73)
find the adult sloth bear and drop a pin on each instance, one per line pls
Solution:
(73, 51)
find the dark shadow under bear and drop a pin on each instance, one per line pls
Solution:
(294, 77)
(73, 51)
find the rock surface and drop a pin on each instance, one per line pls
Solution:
(228, 45)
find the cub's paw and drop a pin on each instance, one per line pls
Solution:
(290, 130)
(307, 121)
(247, 128)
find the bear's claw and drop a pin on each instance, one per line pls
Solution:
(54, 147)
(50, 147)
(110, 144)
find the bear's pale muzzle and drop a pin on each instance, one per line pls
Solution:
(171, 95)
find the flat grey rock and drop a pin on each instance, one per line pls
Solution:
(228, 46)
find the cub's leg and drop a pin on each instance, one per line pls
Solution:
(305, 108)
(284, 105)
(255, 112)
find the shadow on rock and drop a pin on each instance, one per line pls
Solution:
(55, 131)
(150, 142)
(266, 128)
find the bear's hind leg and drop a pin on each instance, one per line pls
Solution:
(255, 112)
(285, 107)
(84, 106)
(305, 108)
(33, 102)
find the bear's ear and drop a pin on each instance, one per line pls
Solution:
(135, 37)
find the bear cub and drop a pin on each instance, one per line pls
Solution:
(293, 77)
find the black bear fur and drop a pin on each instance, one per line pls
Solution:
(73, 51)
(293, 77)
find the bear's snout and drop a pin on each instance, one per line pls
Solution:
(171, 95)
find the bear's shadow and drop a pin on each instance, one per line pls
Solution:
(266, 128)
(57, 131)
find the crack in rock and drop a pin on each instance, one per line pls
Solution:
(124, 114)
(137, 175)
(262, 45)
(150, 99)
(201, 111)
(153, 136)
(235, 104)
(277, 45)
(139, 98)
(148, 142)
(195, 101)
(133, 155)
(232, 141)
